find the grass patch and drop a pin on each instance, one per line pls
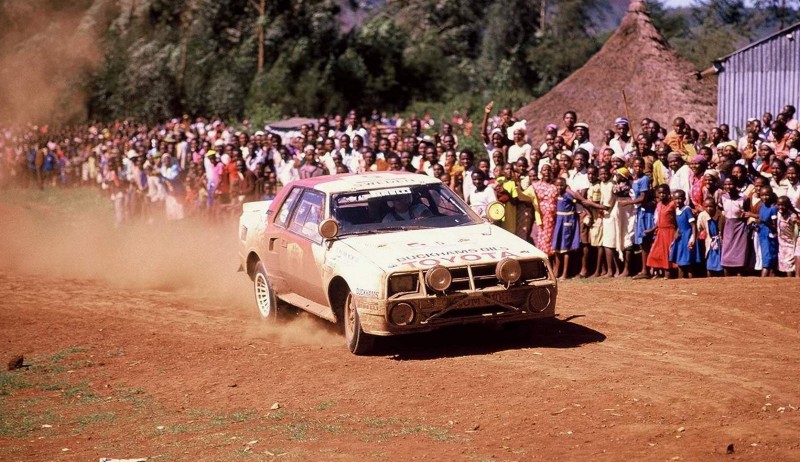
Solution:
(96, 418)
(221, 420)
(325, 405)
(64, 354)
(17, 424)
(12, 381)
(177, 429)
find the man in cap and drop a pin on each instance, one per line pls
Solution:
(582, 138)
(621, 142)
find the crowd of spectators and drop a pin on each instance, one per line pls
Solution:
(649, 201)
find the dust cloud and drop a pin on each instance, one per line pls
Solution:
(46, 48)
(193, 259)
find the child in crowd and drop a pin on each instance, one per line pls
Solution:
(734, 235)
(685, 253)
(788, 219)
(566, 236)
(754, 196)
(709, 228)
(480, 198)
(767, 221)
(664, 229)
(608, 199)
(645, 206)
(594, 218)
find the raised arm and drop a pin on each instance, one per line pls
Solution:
(485, 122)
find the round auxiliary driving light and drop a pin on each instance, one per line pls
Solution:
(438, 278)
(329, 228)
(496, 211)
(538, 300)
(401, 314)
(508, 270)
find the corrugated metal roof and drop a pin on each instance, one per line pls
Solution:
(788, 30)
(762, 77)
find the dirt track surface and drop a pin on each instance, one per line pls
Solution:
(131, 357)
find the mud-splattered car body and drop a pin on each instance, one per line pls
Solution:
(384, 272)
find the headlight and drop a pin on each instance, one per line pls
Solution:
(438, 278)
(538, 300)
(401, 314)
(508, 270)
(402, 283)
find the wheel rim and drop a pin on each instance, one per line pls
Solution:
(263, 295)
(350, 318)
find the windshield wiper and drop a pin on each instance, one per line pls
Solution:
(402, 228)
(384, 229)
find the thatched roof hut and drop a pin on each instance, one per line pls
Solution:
(658, 83)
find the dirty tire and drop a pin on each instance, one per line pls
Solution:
(265, 296)
(358, 342)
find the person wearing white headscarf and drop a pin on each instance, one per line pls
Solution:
(520, 148)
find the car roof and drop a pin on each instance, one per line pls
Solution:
(361, 181)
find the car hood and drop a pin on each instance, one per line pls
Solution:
(425, 248)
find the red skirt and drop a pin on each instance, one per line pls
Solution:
(659, 253)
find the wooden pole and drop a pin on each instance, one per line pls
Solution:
(628, 116)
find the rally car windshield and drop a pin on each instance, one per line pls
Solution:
(400, 208)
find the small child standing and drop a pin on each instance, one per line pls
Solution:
(767, 231)
(709, 226)
(566, 236)
(595, 218)
(664, 229)
(788, 219)
(685, 253)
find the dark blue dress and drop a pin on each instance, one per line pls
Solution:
(566, 235)
(767, 238)
(645, 213)
(714, 252)
(680, 253)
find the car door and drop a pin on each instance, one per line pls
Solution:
(302, 260)
(277, 241)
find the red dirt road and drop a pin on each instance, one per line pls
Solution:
(146, 343)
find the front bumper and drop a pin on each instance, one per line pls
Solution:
(535, 300)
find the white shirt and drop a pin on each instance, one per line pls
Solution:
(479, 200)
(288, 172)
(587, 145)
(680, 179)
(516, 151)
(616, 145)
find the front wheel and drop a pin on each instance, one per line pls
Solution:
(265, 296)
(358, 342)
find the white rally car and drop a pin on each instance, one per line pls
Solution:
(389, 253)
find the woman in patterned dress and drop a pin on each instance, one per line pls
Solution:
(545, 194)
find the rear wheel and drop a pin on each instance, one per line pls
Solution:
(358, 342)
(265, 296)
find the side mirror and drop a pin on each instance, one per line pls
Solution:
(329, 228)
(496, 211)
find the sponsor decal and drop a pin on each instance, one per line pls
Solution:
(427, 260)
(365, 292)
(366, 195)
(368, 306)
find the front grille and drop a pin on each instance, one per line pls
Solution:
(478, 277)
